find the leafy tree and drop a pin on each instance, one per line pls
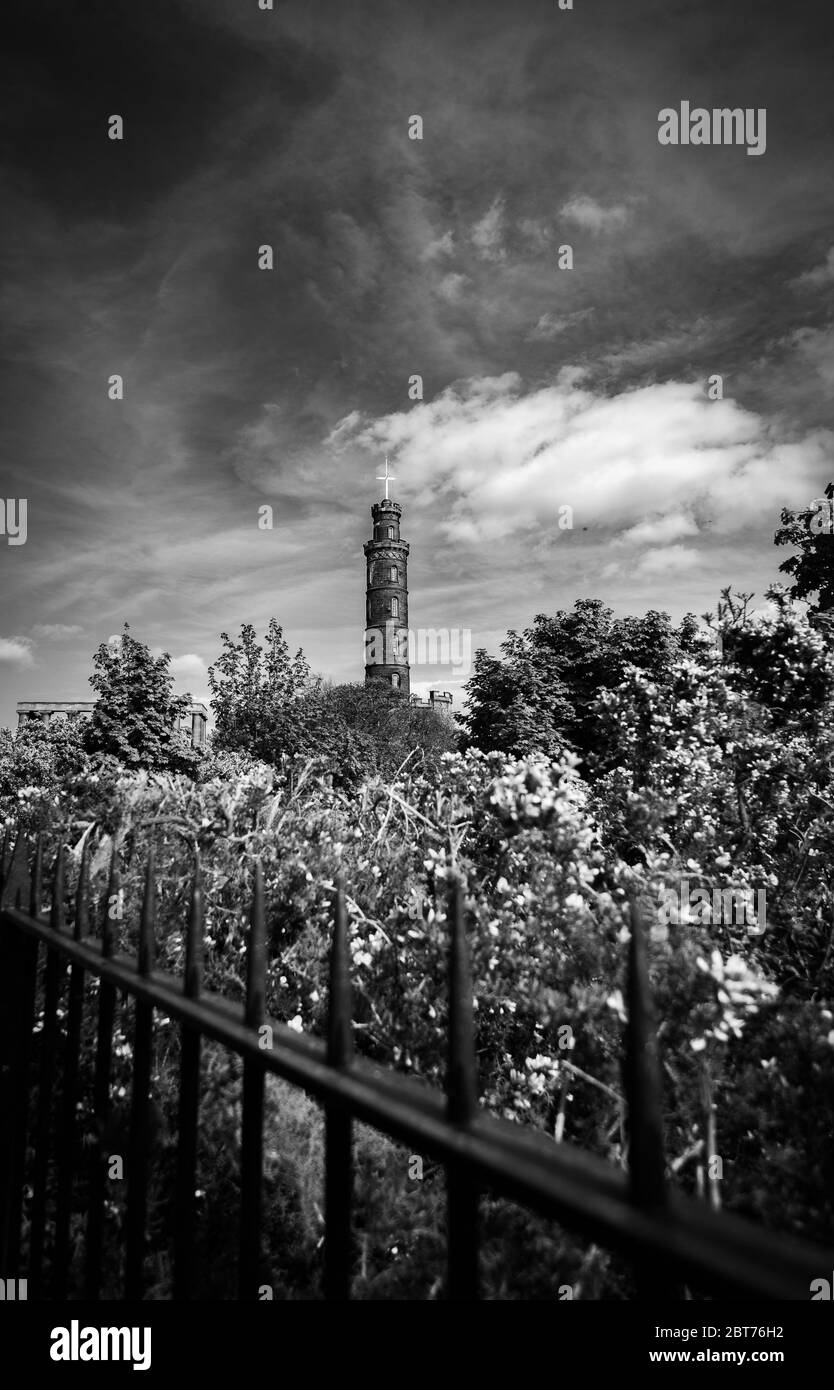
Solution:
(37, 765)
(812, 568)
(540, 693)
(374, 729)
(265, 702)
(136, 715)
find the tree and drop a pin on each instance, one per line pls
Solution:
(36, 766)
(265, 702)
(812, 568)
(378, 729)
(540, 693)
(136, 715)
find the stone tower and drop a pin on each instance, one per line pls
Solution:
(386, 601)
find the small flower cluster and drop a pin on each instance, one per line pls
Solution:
(532, 791)
(739, 991)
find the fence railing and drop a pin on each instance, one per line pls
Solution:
(671, 1239)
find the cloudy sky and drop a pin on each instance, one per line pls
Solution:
(542, 387)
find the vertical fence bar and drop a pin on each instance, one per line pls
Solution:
(13, 951)
(4, 856)
(185, 1208)
(338, 1181)
(28, 963)
(462, 1094)
(101, 1087)
(139, 1141)
(68, 1131)
(642, 1085)
(53, 976)
(252, 1118)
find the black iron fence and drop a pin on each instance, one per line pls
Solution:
(671, 1239)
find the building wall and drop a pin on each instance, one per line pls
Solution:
(192, 725)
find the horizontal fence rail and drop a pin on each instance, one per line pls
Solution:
(670, 1238)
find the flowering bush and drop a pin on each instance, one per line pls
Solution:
(695, 777)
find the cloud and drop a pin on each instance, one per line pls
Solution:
(56, 631)
(494, 458)
(549, 326)
(16, 651)
(488, 233)
(697, 338)
(535, 231)
(189, 667)
(820, 275)
(814, 349)
(451, 287)
(661, 531)
(441, 246)
(588, 213)
(670, 559)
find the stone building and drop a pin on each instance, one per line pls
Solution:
(386, 606)
(191, 726)
(439, 700)
(386, 601)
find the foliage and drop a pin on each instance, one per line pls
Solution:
(812, 567)
(136, 715)
(269, 706)
(709, 767)
(261, 697)
(374, 730)
(36, 767)
(540, 693)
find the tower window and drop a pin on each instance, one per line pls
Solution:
(395, 679)
(393, 574)
(395, 608)
(390, 533)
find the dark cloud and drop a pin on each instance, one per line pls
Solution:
(394, 257)
(178, 82)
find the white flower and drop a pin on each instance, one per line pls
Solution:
(616, 1002)
(296, 1024)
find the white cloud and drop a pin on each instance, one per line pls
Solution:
(56, 631)
(441, 246)
(189, 667)
(16, 651)
(488, 233)
(820, 275)
(494, 459)
(644, 353)
(588, 213)
(550, 326)
(662, 530)
(672, 558)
